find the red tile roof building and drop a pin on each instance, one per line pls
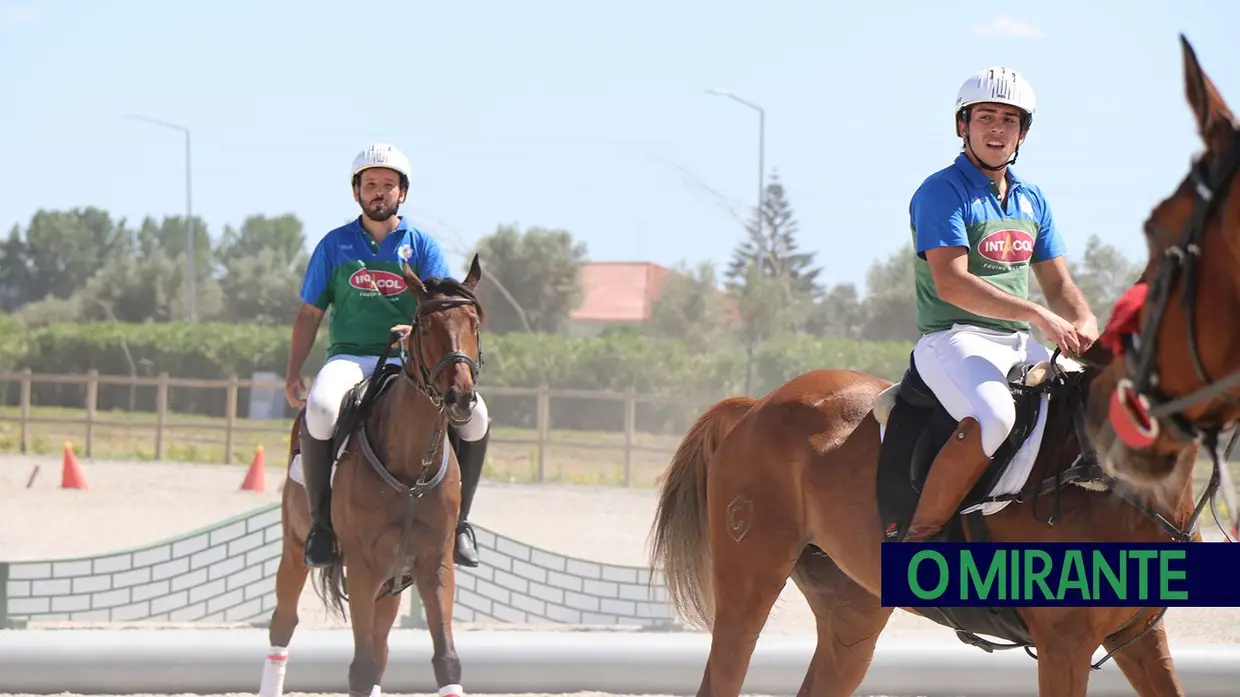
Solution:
(617, 292)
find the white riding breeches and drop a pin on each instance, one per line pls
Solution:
(340, 374)
(966, 367)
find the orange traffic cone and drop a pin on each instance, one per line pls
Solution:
(256, 478)
(71, 476)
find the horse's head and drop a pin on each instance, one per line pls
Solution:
(444, 344)
(1171, 343)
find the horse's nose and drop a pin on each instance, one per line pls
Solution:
(461, 402)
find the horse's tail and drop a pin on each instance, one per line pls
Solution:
(679, 542)
(329, 585)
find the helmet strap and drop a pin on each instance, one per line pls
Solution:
(982, 163)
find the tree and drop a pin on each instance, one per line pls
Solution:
(691, 307)
(774, 284)
(891, 298)
(166, 238)
(151, 289)
(15, 272)
(839, 312)
(1103, 275)
(262, 264)
(774, 249)
(540, 271)
(58, 252)
(282, 235)
(765, 310)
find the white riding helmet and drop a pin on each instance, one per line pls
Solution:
(999, 86)
(382, 155)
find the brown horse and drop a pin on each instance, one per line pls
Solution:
(797, 484)
(395, 493)
(1169, 392)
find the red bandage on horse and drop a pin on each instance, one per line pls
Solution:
(1124, 318)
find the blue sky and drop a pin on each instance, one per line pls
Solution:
(592, 116)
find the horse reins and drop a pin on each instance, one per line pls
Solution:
(1140, 390)
(424, 381)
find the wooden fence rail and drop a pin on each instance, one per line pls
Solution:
(232, 425)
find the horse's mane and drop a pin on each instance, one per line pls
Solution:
(451, 288)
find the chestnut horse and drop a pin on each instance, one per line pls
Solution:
(395, 494)
(798, 484)
(1179, 382)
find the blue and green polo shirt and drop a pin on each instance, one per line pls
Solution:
(959, 206)
(363, 283)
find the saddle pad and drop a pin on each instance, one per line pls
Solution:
(294, 471)
(1017, 472)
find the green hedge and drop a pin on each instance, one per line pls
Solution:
(206, 350)
(613, 362)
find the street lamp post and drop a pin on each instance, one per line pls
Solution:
(190, 265)
(761, 146)
(762, 197)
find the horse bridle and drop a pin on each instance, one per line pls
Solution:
(1141, 387)
(424, 379)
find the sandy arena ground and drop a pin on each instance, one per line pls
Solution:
(136, 503)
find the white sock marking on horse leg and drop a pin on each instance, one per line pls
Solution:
(273, 672)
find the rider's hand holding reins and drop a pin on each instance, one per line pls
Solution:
(1060, 331)
(399, 332)
(1087, 329)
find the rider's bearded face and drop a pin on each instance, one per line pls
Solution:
(994, 133)
(379, 193)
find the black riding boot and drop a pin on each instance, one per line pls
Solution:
(316, 467)
(472, 457)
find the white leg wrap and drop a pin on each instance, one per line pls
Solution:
(273, 672)
(376, 692)
(476, 427)
(451, 691)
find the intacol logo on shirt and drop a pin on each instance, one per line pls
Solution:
(377, 282)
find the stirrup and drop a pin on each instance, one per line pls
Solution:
(458, 554)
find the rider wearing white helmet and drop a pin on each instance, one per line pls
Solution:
(356, 269)
(977, 229)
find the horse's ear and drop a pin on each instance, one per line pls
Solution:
(475, 273)
(412, 281)
(1209, 109)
